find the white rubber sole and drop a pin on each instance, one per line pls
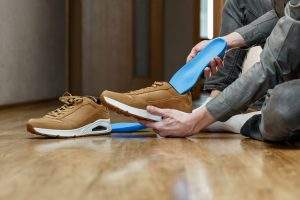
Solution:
(82, 131)
(132, 110)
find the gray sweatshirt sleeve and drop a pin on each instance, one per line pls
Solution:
(258, 31)
(280, 61)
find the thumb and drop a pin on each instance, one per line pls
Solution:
(158, 111)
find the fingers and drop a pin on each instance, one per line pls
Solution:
(214, 66)
(155, 111)
(160, 128)
(207, 72)
(196, 49)
(192, 54)
(219, 62)
(158, 111)
(190, 57)
(156, 126)
(144, 122)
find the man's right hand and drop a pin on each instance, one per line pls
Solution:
(233, 40)
(215, 65)
(199, 47)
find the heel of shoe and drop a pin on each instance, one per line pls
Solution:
(101, 126)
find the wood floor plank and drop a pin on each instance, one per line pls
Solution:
(140, 165)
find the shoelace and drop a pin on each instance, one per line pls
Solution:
(154, 85)
(69, 102)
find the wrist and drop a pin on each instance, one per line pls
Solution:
(201, 118)
(234, 40)
(215, 93)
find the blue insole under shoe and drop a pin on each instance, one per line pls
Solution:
(185, 78)
(126, 127)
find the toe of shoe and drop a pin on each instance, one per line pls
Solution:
(33, 122)
(44, 123)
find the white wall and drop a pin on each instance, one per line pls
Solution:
(32, 50)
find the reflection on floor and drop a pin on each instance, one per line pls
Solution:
(140, 165)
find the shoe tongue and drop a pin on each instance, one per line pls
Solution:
(159, 83)
(164, 85)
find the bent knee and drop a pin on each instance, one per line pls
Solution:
(273, 126)
(281, 113)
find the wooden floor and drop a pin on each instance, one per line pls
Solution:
(140, 165)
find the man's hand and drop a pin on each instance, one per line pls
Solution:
(215, 65)
(233, 40)
(176, 123)
(199, 47)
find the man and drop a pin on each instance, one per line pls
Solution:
(279, 68)
(236, 15)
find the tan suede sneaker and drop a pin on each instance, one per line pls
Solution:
(79, 116)
(134, 103)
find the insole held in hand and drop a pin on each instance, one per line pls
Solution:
(187, 76)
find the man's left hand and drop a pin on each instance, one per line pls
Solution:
(174, 123)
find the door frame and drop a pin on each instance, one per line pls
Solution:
(218, 6)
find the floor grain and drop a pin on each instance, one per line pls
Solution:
(140, 165)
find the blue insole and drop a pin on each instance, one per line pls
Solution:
(185, 78)
(126, 127)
